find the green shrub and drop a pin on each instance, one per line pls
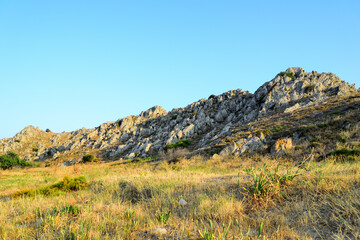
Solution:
(299, 147)
(289, 74)
(211, 96)
(182, 143)
(278, 129)
(267, 181)
(87, 158)
(344, 152)
(66, 185)
(11, 160)
(71, 184)
(316, 144)
(309, 88)
(47, 130)
(132, 193)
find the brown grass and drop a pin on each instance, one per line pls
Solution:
(324, 202)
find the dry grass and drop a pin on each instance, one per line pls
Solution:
(324, 202)
(124, 198)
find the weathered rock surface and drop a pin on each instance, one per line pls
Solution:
(204, 121)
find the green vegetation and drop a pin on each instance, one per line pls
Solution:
(254, 196)
(11, 160)
(309, 88)
(316, 144)
(211, 96)
(183, 143)
(207, 234)
(163, 216)
(344, 152)
(129, 201)
(87, 158)
(267, 182)
(278, 129)
(66, 185)
(289, 74)
(71, 209)
(174, 116)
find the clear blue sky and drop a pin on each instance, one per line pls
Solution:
(69, 64)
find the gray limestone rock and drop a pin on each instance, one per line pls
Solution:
(205, 121)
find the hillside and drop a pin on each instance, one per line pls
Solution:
(282, 163)
(207, 123)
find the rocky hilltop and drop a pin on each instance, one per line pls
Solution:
(206, 122)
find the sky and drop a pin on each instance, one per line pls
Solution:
(70, 64)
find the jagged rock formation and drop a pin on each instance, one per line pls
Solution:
(205, 121)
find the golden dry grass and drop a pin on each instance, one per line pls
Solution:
(323, 202)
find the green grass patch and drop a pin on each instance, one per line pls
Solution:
(344, 152)
(183, 143)
(66, 185)
(289, 74)
(278, 129)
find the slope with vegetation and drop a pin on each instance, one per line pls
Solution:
(202, 122)
(291, 171)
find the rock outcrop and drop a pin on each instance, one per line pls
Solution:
(204, 121)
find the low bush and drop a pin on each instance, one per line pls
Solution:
(128, 191)
(211, 96)
(316, 144)
(345, 155)
(277, 129)
(267, 182)
(183, 143)
(87, 158)
(309, 88)
(11, 160)
(289, 74)
(344, 152)
(66, 185)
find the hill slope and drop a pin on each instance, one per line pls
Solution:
(208, 123)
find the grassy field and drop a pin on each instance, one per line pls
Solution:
(227, 198)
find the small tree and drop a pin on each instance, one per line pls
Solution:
(10, 160)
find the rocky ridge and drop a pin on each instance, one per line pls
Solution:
(204, 122)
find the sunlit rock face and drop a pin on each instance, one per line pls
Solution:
(203, 122)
